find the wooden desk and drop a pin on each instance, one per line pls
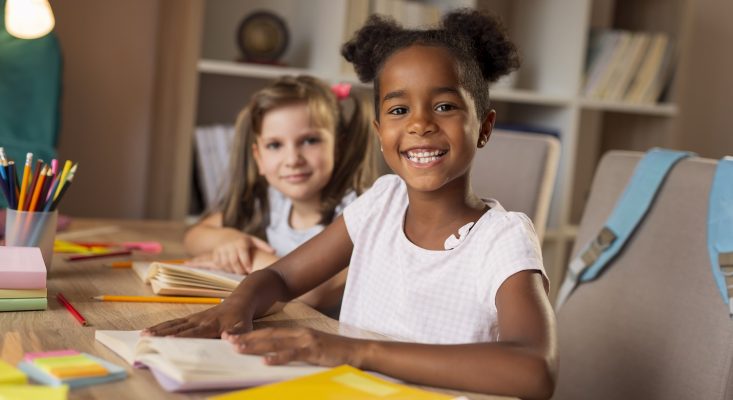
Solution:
(55, 328)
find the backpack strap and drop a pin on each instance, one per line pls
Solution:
(720, 230)
(630, 209)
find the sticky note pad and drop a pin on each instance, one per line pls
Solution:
(71, 366)
(11, 375)
(23, 392)
(22, 268)
(45, 354)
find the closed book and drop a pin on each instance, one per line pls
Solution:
(22, 293)
(22, 268)
(184, 364)
(24, 304)
(344, 382)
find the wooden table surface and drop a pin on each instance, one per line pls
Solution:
(55, 328)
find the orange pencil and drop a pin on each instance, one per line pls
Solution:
(37, 189)
(35, 172)
(160, 299)
(24, 181)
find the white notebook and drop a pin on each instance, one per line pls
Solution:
(183, 364)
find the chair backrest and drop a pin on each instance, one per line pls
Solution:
(653, 325)
(519, 170)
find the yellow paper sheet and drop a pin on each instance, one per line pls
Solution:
(27, 392)
(11, 375)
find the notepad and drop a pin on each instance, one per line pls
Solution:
(26, 304)
(23, 392)
(344, 382)
(183, 364)
(22, 293)
(181, 280)
(11, 375)
(22, 268)
(69, 367)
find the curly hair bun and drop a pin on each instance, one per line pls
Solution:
(368, 42)
(494, 52)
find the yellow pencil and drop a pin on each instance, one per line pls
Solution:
(62, 179)
(160, 299)
(25, 180)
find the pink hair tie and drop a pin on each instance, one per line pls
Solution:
(341, 90)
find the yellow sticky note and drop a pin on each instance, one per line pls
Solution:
(11, 375)
(27, 392)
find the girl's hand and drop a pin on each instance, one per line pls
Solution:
(283, 345)
(211, 323)
(236, 255)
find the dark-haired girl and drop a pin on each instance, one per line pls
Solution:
(455, 278)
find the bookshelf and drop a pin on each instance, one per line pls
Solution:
(553, 36)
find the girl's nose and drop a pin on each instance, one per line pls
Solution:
(421, 123)
(293, 156)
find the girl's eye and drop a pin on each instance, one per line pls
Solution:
(312, 140)
(272, 146)
(445, 107)
(397, 111)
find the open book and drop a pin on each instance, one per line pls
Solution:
(183, 364)
(182, 280)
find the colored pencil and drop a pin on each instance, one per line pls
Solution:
(51, 191)
(99, 255)
(60, 297)
(60, 193)
(160, 299)
(11, 184)
(64, 172)
(54, 166)
(44, 190)
(37, 189)
(2, 162)
(32, 185)
(25, 180)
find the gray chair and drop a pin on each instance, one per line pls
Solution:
(519, 170)
(653, 325)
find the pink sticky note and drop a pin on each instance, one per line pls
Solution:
(29, 357)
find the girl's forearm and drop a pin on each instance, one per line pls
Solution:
(497, 368)
(259, 292)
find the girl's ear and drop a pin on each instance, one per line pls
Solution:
(375, 123)
(486, 127)
(258, 158)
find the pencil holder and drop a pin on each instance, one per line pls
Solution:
(32, 229)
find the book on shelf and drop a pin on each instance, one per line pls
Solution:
(185, 364)
(182, 280)
(654, 72)
(343, 382)
(628, 66)
(611, 69)
(408, 13)
(600, 51)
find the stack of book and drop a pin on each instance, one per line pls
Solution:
(22, 279)
(628, 66)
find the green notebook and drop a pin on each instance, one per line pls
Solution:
(24, 304)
